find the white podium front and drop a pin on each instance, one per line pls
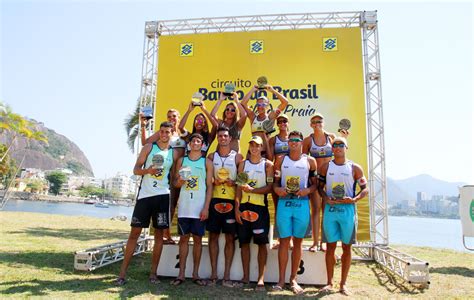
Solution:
(312, 267)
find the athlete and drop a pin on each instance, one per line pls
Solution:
(230, 119)
(201, 126)
(295, 180)
(337, 186)
(319, 146)
(222, 170)
(278, 146)
(153, 199)
(251, 210)
(195, 194)
(257, 119)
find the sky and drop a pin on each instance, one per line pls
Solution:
(76, 66)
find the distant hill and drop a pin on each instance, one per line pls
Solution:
(406, 189)
(59, 153)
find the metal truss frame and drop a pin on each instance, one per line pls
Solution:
(366, 20)
(94, 258)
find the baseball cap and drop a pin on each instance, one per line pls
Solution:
(283, 116)
(317, 114)
(340, 139)
(258, 140)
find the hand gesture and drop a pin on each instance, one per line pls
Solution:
(247, 188)
(280, 191)
(237, 216)
(303, 192)
(204, 214)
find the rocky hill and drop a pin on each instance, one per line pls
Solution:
(60, 152)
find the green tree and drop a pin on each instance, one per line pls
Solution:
(56, 180)
(132, 126)
(35, 185)
(7, 166)
(90, 190)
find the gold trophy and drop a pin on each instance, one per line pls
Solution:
(292, 186)
(262, 82)
(223, 174)
(197, 99)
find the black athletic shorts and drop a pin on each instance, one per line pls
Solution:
(256, 224)
(156, 207)
(221, 216)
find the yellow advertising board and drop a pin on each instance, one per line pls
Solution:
(318, 70)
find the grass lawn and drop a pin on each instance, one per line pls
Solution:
(37, 251)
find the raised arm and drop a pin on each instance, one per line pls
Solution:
(245, 101)
(211, 119)
(218, 104)
(283, 102)
(242, 111)
(184, 119)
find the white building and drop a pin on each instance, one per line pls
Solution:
(121, 183)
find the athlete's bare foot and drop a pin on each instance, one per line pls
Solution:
(344, 291)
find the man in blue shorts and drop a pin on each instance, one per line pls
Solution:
(295, 179)
(337, 187)
(153, 200)
(193, 206)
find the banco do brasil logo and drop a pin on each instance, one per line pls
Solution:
(330, 44)
(186, 49)
(256, 47)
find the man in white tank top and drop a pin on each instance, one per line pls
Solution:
(196, 192)
(251, 209)
(153, 199)
(295, 180)
(337, 187)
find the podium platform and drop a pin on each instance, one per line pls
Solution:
(312, 268)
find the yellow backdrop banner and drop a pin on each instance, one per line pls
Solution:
(316, 69)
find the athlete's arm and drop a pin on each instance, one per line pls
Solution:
(271, 149)
(238, 196)
(358, 175)
(322, 183)
(209, 174)
(242, 111)
(280, 191)
(312, 179)
(184, 119)
(178, 181)
(151, 139)
(216, 107)
(306, 144)
(283, 102)
(209, 116)
(245, 101)
(138, 169)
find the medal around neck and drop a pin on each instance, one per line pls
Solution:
(242, 178)
(158, 161)
(185, 172)
(344, 124)
(223, 174)
(262, 82)
(197, 99)
(229, 89)
(147, 112)
(268, 126)
(338, 192)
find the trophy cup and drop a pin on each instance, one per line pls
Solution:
(229, 89)
(262, 82)
(344, 124)
(242, 179)
(292, 186)
(338, 192)
(268, 126)
(223, 174)
(197, 99)
(147, 112)
(185, 172)
(158, 161)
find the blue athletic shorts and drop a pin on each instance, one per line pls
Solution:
(191, 225)
(292, 217)
(339, 223)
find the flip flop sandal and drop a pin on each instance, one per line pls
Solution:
(277, 288)
(177, 281)
(297, 289)
(345, 292)
(211, 281)
(228, 283)
(200, 282)
(120, 281)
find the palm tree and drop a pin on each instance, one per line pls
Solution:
(132, 126)
(17, 126)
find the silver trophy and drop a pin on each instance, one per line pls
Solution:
(197, 99)
(185, 172)
(268, 126)
(344, 124)
(229, 89)
(338, 192)
(147, 112)
(242, 179)
(158, 161)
